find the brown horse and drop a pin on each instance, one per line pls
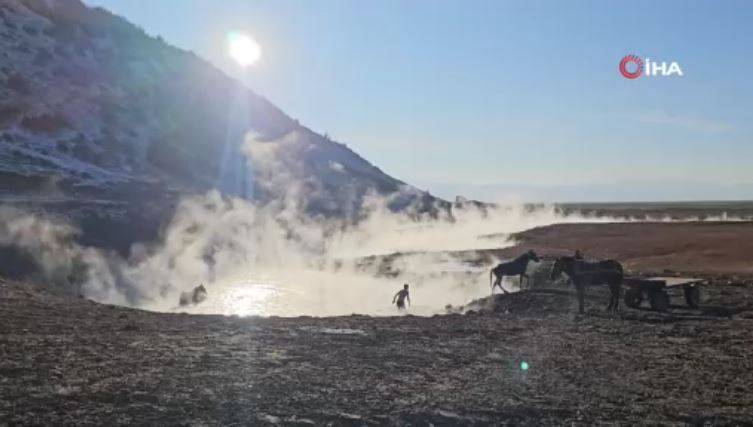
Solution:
(516, 267)
(584, 273)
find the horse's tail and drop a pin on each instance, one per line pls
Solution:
(491, 271)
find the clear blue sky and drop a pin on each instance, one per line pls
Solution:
(501, 99)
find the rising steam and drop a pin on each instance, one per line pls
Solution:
(275, 259)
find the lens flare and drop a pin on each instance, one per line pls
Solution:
(524, 365)
(243, 49)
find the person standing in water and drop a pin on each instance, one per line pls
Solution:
(401, 296)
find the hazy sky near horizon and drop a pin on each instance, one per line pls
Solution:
(501, 99)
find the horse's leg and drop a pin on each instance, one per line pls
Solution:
(498, 282)
(617, 297)
(610, 307)
(616, 288)
(581, 296)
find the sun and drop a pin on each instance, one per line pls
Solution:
(243, 49)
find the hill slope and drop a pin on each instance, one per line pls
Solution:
(110, 126)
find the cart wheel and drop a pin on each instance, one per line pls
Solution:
(659, 300)
(633, 298)
(692, 296)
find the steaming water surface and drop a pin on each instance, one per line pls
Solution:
(320, 293)
(274, 260)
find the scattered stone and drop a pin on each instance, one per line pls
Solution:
(129, 327)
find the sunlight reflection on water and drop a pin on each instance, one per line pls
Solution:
(297, 292)
(267, 297)
(246, 299)
(262, 297)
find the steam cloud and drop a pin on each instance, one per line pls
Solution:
(277, 260)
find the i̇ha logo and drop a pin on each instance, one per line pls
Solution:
(632, 67)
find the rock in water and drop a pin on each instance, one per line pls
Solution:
(199, 294)
(195, 296)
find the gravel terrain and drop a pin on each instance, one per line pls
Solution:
(72, 361)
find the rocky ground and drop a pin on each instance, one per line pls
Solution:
(72, 361)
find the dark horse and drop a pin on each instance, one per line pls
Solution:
(516, 267)
(584, 273)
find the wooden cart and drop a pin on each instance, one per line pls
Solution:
(655, 289)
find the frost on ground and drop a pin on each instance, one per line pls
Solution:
(68, 360)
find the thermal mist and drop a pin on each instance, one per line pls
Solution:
(274, 260)
(277, 261)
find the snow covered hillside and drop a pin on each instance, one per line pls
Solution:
(102, 123)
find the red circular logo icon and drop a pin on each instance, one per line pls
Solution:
(631, 59)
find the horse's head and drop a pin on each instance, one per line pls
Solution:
(560, 266)
(532, 255)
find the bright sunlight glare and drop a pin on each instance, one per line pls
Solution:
(243, 49)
